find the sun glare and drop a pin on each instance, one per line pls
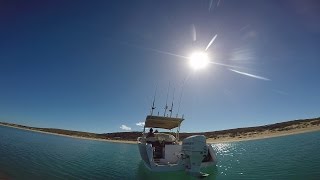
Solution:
(198, 60)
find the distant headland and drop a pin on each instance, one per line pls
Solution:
(229, 135)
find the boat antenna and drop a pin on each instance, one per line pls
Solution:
(166, 107)
(154, 99)
(174, 89)
(182, 88)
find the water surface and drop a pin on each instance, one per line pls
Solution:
(31, 155)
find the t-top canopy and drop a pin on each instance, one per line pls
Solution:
(162, 122)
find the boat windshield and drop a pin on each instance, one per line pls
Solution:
(162, 137)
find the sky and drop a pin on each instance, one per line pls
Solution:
(95, 65)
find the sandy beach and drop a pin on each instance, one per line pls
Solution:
(219, 139)
(262, 135)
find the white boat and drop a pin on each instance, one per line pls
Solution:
(162, 152)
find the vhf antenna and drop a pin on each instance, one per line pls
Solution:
(180, 98)
(172, 102)
(154, 99)
(166, 107)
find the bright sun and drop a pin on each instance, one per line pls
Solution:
(198, 60)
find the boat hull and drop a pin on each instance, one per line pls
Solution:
(169, 165)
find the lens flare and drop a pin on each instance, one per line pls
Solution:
(198, 60)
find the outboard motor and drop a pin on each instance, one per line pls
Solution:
(194, 149)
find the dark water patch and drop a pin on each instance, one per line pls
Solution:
(4, 176)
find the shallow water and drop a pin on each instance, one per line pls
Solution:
(31, 155)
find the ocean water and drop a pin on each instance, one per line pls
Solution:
(31, 155)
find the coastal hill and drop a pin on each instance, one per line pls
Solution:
(271, 130)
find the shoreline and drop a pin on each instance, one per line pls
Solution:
(77, 137)
(263, 135)
(220, 138)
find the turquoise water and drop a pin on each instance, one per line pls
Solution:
(30, 155)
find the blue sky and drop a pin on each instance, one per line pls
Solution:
(94, 65)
